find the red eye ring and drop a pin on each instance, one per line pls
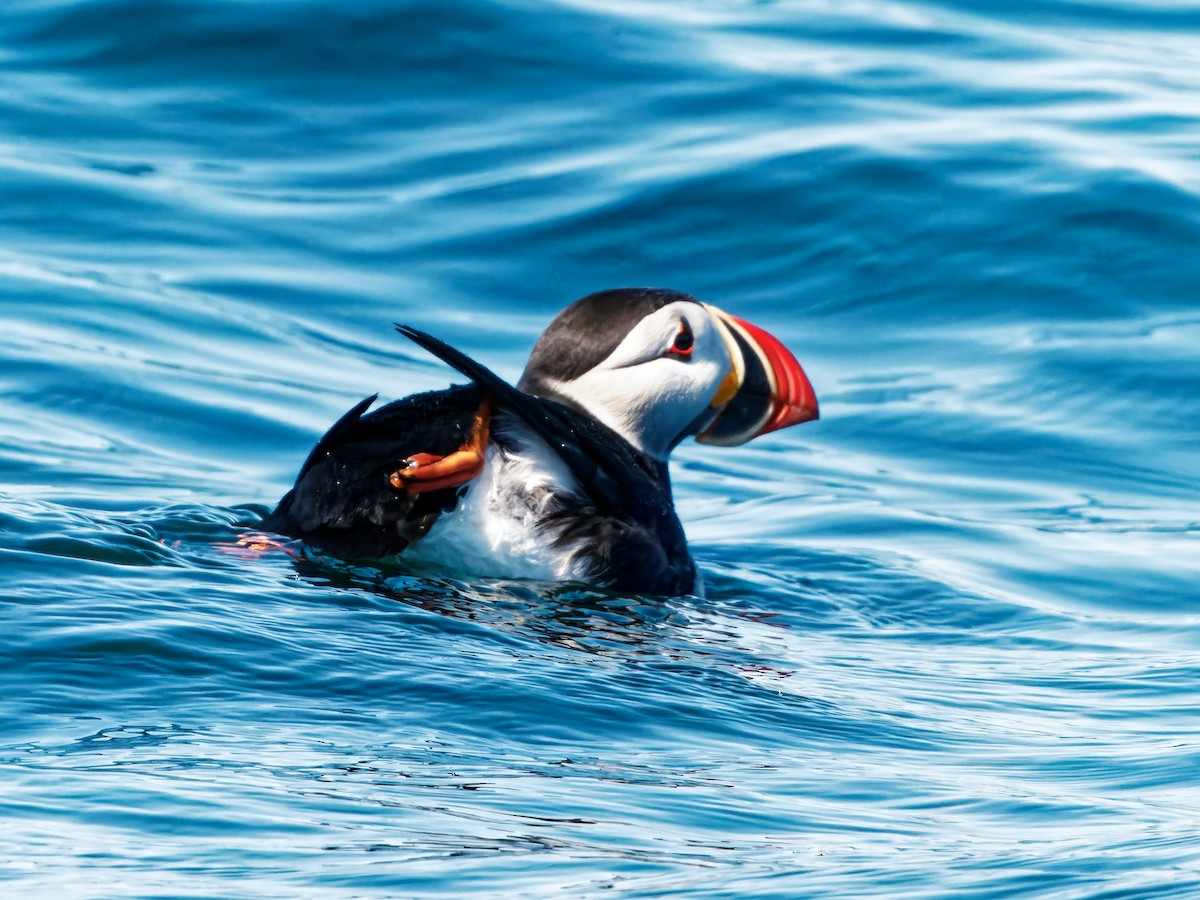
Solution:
(685, 341)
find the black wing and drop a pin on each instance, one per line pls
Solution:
(616, 476)
(343, 501)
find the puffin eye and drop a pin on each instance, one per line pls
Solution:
(684, 341)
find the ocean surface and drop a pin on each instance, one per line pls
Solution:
(951, 640)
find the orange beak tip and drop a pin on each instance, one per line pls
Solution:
(794, 400)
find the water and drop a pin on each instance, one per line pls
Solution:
(951, 643)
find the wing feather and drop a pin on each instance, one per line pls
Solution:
(343, 501)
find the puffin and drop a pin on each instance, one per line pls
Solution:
(564, 477)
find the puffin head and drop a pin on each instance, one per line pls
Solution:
(657, 366)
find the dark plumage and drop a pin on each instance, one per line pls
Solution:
(342, 501)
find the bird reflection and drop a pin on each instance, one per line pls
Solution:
(573, 616)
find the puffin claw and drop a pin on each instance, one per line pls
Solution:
(424, 472)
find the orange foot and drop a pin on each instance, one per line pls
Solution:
(254, 544)
(423, 472)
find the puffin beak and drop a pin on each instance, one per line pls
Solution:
(765, 390)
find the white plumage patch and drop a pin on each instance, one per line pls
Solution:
(643, 393)
(493, 531)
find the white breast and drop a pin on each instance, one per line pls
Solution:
(493, 530)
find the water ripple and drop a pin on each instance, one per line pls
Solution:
(948, 644)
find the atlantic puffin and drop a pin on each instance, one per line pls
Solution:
(563, 477)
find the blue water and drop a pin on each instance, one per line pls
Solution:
(951, 642)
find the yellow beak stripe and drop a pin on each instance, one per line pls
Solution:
(725, 391)
(732, 382)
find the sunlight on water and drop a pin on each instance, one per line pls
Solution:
(948, 644)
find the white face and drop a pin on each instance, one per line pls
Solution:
(646, 390)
